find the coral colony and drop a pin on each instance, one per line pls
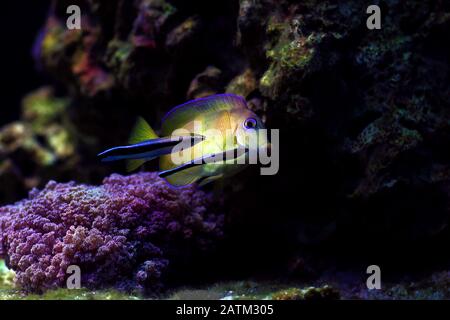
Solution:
(122, 233)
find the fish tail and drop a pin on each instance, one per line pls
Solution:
(133, 164)
(145, 145)
(148, 150)
(141, 131)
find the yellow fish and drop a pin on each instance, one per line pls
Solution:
(202, 140)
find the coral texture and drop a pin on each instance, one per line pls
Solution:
(123, 233)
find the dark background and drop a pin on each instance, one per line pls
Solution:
(20, 22)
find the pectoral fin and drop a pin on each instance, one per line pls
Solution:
(206, 180)
(187, 174)
(183, 175)
(192, 171)
(183, 167)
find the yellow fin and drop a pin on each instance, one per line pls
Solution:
(141, 132)
(133, 164)
(185, 177)
(210, 179)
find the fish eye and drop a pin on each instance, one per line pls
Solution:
(250, 123)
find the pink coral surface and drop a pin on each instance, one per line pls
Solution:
(122, 233)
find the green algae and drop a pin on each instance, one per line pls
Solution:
(256, 290)
(6, 275)
(295, 54)
(61, 142)
(52, 42)
(168, 8)
(55, 40)
(9, 292)
(6, 282)
(119, 51)
(19, 135)
(118, 57)
(434, 286)
(242, 84)
(44, 113)
(310, 293)
(236, 290)
(66, 294)
(269, 78)
(41, 108)
(289, 53)
(81, 294)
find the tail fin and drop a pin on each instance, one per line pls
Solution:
(133, 164)
(145, 145)
(141, 132)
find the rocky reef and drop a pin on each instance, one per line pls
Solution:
(125, 233)
(33, 148)
(42, 145)
(363, 116)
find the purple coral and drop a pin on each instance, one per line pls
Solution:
(123, 233)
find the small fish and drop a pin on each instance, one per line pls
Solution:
(202, 140)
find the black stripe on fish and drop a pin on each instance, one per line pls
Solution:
(216, 157)
(185, 166)
(163, 144)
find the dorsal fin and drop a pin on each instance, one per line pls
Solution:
(182, 114)
(141, 132)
